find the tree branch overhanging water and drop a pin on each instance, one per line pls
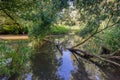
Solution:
(96, 32)
(88, 56)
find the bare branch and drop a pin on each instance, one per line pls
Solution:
(57, 45)
(115, 52)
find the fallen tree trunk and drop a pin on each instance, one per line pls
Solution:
(88, 56)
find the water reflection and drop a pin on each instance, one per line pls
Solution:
(64, 71)
(44, 64)
(80, 73)
(48, 64)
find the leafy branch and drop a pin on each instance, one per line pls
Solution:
(96, 32)
(11, 17)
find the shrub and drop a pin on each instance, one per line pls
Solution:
(39, 31)
(13, 59)
(59, 30)
(12, 29)
(112, 38)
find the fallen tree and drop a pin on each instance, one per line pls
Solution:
(89, 56)
(109, 58)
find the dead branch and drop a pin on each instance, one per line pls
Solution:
(80, 52)
(47, 40)
(113, 57)
(107, 60)
(115, 52)
(57, 45)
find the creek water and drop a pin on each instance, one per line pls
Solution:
(48, 64)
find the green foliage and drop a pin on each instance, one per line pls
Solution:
(59, 30)
(101, 15)
(38, 12)
(42, 14)
(97, 11)
(39, 31)
(13, 58)
(60, 4)
(24, 30)
(89, 28)
(112, 38)
(12, 29)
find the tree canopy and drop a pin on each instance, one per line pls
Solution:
(95, 17)
(98, 22)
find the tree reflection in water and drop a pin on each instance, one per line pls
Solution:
(44, 63)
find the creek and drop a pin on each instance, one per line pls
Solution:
(48, 64)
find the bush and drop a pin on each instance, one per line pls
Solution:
(12, 29)
(13, 60)
(59, 30)
(39, 31)
(112, 38)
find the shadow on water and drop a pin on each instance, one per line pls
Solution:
(44, 63)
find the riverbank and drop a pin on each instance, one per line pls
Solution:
(14, 37)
